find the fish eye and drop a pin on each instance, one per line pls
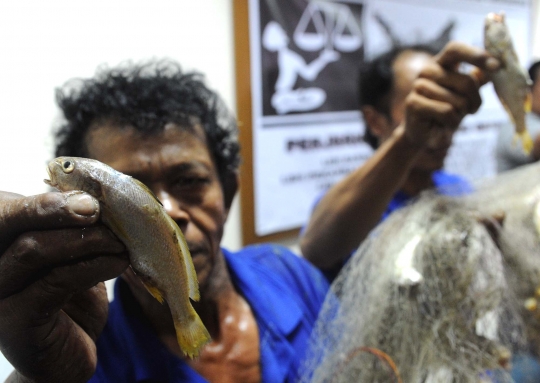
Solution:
(68, 166)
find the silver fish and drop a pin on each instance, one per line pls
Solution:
(158, 251)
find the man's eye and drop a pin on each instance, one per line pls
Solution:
(191, 181)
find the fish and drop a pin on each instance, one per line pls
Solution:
(158, 252)
(512, 83)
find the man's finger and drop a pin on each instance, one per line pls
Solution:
(481, 77)
(44, 212)
(441, 113)
(32, 253)
(48, 294)
(455, 53)
(434, 91)
(34, 350)
(89, 309)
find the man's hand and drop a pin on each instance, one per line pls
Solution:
(442, 95)
(53, 306)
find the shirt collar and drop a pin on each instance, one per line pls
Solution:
(258, 283)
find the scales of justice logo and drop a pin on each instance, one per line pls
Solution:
(326, 27)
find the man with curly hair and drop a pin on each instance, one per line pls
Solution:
(167, 129)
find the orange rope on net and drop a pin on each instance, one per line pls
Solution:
(381, 355)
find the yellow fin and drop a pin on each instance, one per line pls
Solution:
(154, 291)
(526, 141)
(191, 336)
(146, 189)
(528, 103)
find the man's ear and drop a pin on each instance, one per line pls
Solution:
(376, 121)
(230, 187)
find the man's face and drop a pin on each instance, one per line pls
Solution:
(178, 167)
(407, 67)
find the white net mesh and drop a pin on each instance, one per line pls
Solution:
(437, 292)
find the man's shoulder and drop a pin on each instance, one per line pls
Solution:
(271, 256)
(264, 252)
(277, 264)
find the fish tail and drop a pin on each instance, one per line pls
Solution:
(526, 141)
(191, 334)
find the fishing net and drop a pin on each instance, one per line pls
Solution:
(442, 291)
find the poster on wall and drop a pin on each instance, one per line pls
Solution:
(306, 130)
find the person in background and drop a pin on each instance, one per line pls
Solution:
(509, 151)
(167, 129)
(412, 102)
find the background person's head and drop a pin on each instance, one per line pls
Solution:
(384, 84)
(534, 73)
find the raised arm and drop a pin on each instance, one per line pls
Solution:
(440, 98)
(53, 257)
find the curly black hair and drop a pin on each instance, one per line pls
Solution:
(146, 96)
(376, 81)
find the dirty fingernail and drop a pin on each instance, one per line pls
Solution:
(82, 204)
(492, 63)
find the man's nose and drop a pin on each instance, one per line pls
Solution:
(174, 208)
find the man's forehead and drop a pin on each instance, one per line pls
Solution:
(410, 63)
(108, 142)
(120, 132)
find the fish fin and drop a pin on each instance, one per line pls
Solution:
(154, 291)
(526, 141)
(146, 189)
(528, 103)
(191, 336)
(191, 274)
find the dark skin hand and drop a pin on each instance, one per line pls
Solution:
(53, 304)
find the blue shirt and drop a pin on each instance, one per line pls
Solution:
(444, 183)
(285, 294)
